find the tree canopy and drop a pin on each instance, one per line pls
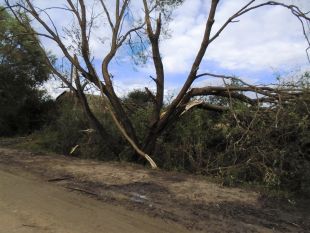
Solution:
(22, 70)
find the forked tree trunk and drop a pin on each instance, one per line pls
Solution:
(159, 122)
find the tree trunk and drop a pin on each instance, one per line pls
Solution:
(97, 126)
(92, 119)
(149, 145)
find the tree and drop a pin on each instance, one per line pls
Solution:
(148, 31)
(22, 70)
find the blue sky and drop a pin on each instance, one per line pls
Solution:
(263, 44)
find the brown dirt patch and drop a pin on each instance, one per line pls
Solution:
(191, 201)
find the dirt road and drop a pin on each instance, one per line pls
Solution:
(42, 192)
(28, 205)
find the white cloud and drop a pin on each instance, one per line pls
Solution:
(187, 31)
(265, 38)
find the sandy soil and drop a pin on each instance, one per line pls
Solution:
(28, 205)
(142, 199)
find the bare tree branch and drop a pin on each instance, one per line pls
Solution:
(107, 14)
(245, 9)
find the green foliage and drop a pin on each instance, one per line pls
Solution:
(22, 58)
(268, 146)
(69, 128)
(139, 108)
(22, 69)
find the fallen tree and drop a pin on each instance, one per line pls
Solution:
(148, 32)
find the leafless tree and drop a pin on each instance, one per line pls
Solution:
(150, 28)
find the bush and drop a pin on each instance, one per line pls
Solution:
(22, 117)
(69, 129)
(268, 146)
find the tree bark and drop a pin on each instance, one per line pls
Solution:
(92, 119)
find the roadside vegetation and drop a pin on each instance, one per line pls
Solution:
(23, 104)
(267, 147)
